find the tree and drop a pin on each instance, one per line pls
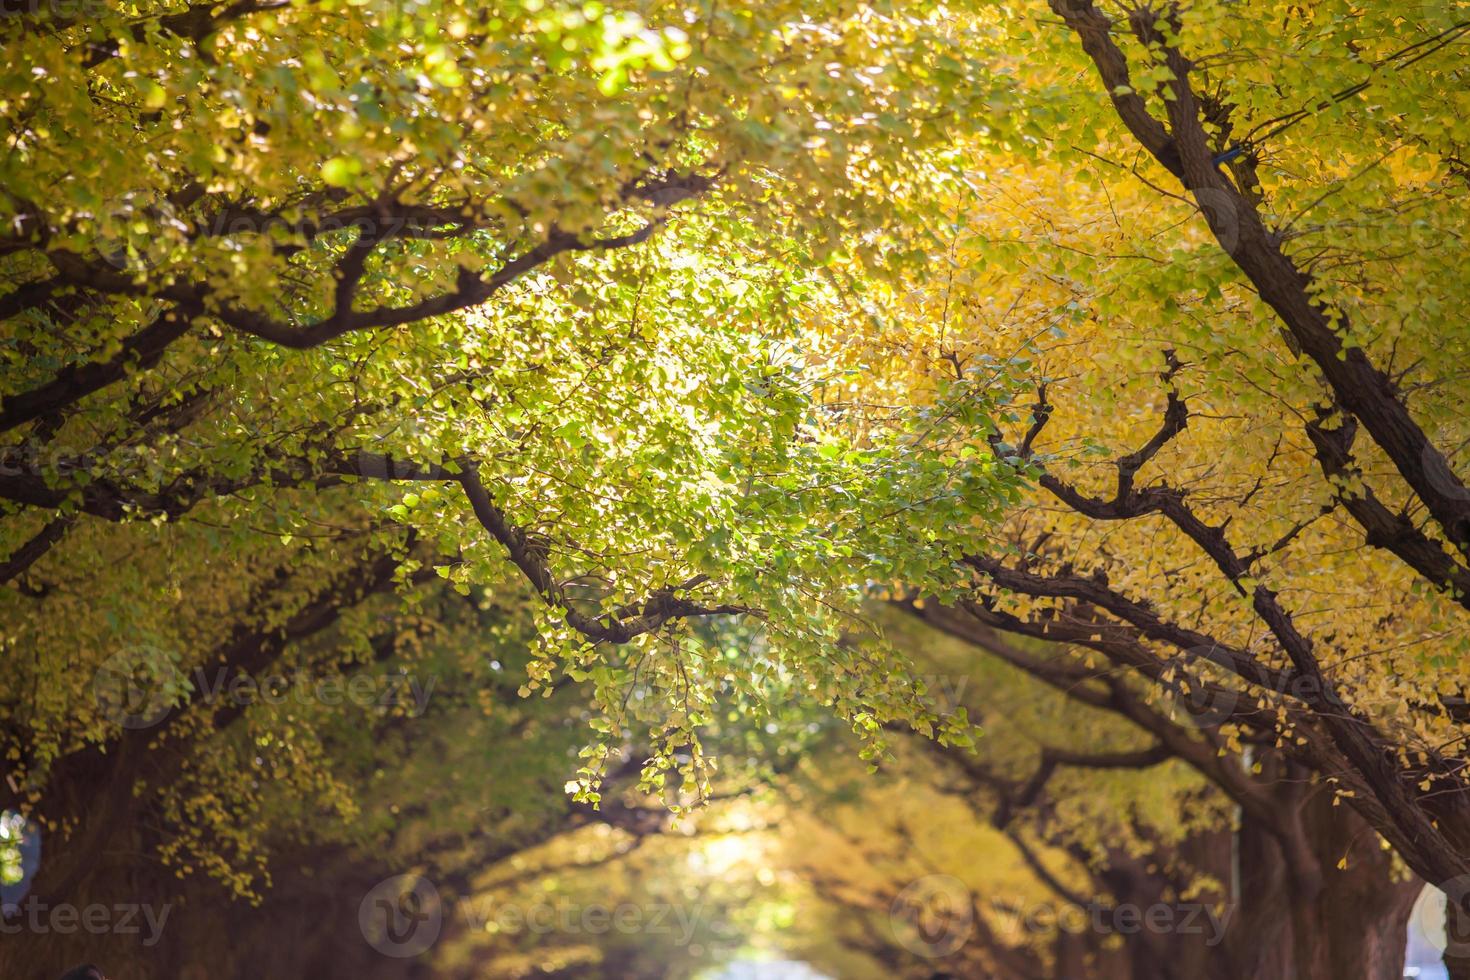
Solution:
(455, 298)
(1275, 523)
(1303, 883)
(935, 866)
(1126, 326)
(318, 315)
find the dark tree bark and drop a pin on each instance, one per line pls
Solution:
(1311, 892)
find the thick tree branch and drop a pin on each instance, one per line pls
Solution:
(1185, 150)
(375, 223)
(1174, 741)
(1394, 533)
(73, 383)
(1097, 593)
(1359, 740)
(661, 606)
(34, 548)
(1094, 30)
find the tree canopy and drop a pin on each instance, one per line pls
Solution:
(433, 434)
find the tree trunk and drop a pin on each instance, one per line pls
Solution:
(306, 926)
(1362, 915)
(1457, 936)
(1353, 934)
(1356, 924)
